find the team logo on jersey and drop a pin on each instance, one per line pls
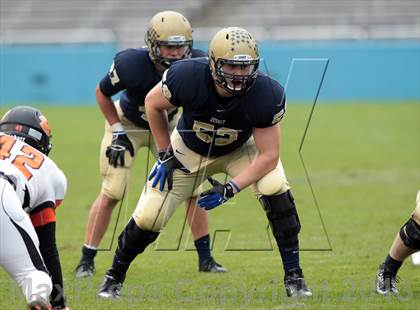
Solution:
(44, 125)
(113, 75)
(277, 117)
(166, 92)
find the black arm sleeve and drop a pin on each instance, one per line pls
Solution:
(49, 252)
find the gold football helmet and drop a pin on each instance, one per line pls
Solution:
(236, 47)
(168, 28)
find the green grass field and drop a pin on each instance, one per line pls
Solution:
(364, 163)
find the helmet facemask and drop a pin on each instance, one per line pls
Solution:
(232, 82)
(174, 41)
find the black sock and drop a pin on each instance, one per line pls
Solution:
(119, 268)
(132, 241)
(290, 257)
(392, 265)
(203, 248)
(88, 254)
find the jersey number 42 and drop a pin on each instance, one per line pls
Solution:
(30, 157)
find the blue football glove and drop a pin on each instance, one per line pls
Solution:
(217, 195)
(115, 152)
(164, 168)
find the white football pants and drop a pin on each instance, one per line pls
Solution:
(19, 246)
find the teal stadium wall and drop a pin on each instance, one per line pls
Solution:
(377, 71)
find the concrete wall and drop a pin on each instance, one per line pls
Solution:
(62, 73)
(357, 70)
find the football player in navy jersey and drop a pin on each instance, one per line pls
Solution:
(229, 124)
(135, 72)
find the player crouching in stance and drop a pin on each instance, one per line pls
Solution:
(134, 72)
(406, 243)
(229, 124)
(31, 182)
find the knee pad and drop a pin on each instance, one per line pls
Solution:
(410, 234)
(273, 183)
(133, 241)
(36, 283)
(154, 209)
(283, 218)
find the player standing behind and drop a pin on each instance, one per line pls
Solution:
(229, 124)
(406, 243)
(135, 72)
(30, 181)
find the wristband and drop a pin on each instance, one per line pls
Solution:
(117, 127)
(235, 186)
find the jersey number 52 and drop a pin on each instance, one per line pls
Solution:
(205, 132)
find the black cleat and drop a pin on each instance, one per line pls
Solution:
(39, 303)
(295, 285)
(85, 269)
(111, 288)
(210, 265)
(386, 282)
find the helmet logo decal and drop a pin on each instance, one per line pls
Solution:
(177, 39)
(35, 133)
(242, 57)
(44, 125)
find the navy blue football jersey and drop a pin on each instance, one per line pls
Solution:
(134, 73)
(211, 125)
